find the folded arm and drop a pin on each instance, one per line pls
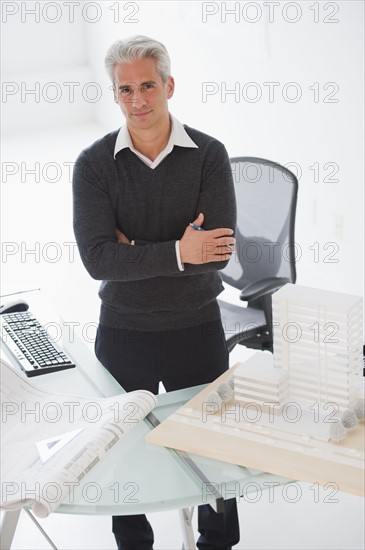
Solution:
(109, 256)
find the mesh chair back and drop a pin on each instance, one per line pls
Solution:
(266, 195)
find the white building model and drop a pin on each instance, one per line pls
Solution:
(317, 353)
(299, 413)
(318, 342)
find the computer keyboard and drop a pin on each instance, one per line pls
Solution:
(30, 344)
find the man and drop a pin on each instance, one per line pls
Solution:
(136, 193)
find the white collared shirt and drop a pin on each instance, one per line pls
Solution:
(178, 136)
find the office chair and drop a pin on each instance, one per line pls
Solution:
(264, 259)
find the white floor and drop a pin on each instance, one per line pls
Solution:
(277, 525)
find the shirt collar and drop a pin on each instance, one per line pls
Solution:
(178, 137)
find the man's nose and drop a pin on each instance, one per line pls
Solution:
(138, 98)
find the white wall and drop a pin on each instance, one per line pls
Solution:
(230, 53)
(45, 71)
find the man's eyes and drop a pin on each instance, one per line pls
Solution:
(125, 90)
(129, 89)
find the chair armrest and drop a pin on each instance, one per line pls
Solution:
(261, 288)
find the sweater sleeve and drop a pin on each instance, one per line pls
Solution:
(94, 223)
(217, 201)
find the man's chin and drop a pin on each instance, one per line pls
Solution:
(142, 123)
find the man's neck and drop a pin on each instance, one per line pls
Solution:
(152, 141)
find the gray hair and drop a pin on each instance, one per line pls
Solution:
(138, 47)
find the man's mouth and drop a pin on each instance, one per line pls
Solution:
(141, 114)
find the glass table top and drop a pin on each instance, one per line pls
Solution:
(135, 476)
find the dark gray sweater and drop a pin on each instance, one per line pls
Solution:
(143, 288)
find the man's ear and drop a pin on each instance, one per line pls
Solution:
(170, 85)
(115, 93)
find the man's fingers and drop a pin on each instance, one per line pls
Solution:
(199, 220)
(217, 257)
(220, 232)
(213, 252)
(225, 241)
(121, 237)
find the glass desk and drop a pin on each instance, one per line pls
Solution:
(134, 477)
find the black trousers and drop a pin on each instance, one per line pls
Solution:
(179, 359)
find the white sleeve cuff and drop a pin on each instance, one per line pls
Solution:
(178, 257)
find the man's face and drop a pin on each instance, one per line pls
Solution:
(141, 94)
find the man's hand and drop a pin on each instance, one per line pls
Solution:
(202, 247)
(121, 237)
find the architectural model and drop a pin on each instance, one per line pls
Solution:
(297, 413)
(318, 341)
(317, 360)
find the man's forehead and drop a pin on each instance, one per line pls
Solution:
(125, 82)
(138, 71)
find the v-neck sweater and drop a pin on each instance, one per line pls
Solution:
(142, 287)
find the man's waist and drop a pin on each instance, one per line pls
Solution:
(156, 320)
